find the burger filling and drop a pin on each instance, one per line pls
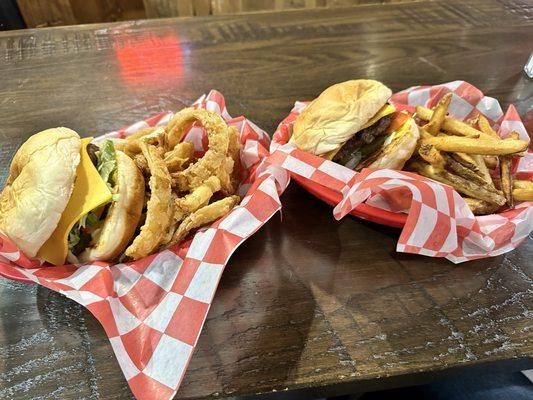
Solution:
(86, 231)
(364, 143)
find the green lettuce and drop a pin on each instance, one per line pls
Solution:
(75, 234)
(107, 163)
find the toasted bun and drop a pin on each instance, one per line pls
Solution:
(396, 153)
(38, 188)
(337, 114)
(123, 215)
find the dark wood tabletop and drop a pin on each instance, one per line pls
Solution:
(308, 305)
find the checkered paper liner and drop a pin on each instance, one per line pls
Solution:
(439, 223)
(153, 309)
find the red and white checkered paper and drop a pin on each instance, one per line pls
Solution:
(439, 223)
(153, 309)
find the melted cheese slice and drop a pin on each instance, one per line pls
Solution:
(387, 109)
(90, 192)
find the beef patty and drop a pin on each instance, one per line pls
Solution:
(362, 138)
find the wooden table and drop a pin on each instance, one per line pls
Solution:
(308, 305)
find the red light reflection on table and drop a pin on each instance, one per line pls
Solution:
(149, 59)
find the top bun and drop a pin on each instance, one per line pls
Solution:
(337, 114)
(38, 188)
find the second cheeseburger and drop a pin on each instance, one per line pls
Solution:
(352, 124)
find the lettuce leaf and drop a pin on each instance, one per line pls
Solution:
(107, 163)
(74, 236)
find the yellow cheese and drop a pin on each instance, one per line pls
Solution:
(383, 111)
(90, 192)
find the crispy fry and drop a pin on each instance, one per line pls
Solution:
(477, 146)
(467, 160)
(480, 207)
(523, 194)
(179, 157)
(492, 162)
(506, 180)
(159, 207)
(485, 127)
(452, 125)
(463, 171)
(482, 169)
(473, 121)
(522, 184)
(203, 216)
(460, 184)
(513, 135)
(430, 154)
(437, 119)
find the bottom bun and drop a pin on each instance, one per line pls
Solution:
(395, 154)
(123, 215)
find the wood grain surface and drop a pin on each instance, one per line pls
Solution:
(308, 303)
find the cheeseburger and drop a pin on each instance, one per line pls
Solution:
(352, 124)
(67, 198)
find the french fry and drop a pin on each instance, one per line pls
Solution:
(485, 127)
(513, 135)
(522, 184)
(476, 146)
(467, 160)
(430, 154)
(523, 190)
(459, 183)
(463, 171)
(473, 121)
(481, 207)
(452, 125)
(506, 180)
(482, 169)
(437, 119)
(492, 162)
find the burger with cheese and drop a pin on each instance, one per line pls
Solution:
(67, 198)
(352, 124)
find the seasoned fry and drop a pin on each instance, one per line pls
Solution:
(460, 184)
(522, 184)
(492, 162)
(513, 135)
(485, 127)
(506, 179)
(523, 194)
(473, 121)
(477, 146)
(482, 169)
(203, 216)
(437, 119)
(467, 160)
(452, 125)
(466, 173)
(159, 207)
(480, 207)
(430, 154)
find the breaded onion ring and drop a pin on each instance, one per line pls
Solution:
(159, 208)
(218, 135)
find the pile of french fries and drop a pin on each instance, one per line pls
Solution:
(463, 154)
